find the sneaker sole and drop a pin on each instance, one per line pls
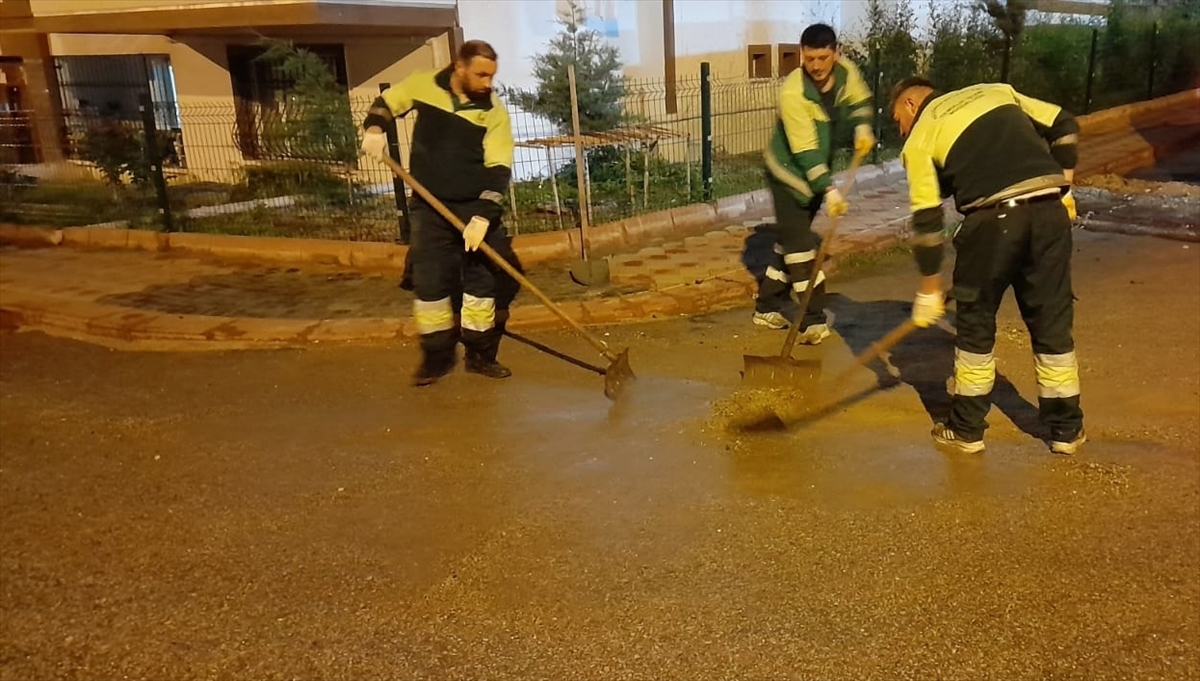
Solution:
(768, 325)
(958, 448)
(1067, 448)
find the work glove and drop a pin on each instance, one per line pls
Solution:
(375, 144)
(835, 203)
(474, 233)
(1068, 200)
(864, 140)
(928, 308)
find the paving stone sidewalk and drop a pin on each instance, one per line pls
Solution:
(127, 298)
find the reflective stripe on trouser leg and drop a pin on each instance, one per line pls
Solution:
(432, 316)
(974, 378)
(974, 373)
(802, 286)
(478, 314)
(800, 266)
(777, 274)
(772, 291)
(1058, 394)
(1057, 375)
(799, 258)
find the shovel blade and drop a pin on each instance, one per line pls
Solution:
(618, 375)
(781, 372)
(590, 272)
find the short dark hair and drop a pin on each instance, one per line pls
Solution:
(475, 48)
(912, 81)
(819, 36)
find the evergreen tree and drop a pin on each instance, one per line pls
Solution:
(599, 78)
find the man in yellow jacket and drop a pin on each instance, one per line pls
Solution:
(815, 104)
(1008, 160)
(462, 152)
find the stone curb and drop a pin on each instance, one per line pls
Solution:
(536, 248)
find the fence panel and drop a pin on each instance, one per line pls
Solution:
(234, 168)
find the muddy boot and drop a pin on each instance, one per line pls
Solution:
(478, 364)
(437, 359)
(431, 372)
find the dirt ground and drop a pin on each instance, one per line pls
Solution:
(307, 514)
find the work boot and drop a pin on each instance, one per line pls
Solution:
(813, 334)
(771, 320)
(1059, 447)
(944, 437)
(478, 364)
(431, 372)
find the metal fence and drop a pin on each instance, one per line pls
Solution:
(241, 169)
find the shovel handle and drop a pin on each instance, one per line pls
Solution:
(794, 332)
(879, 347)
(554, 353)
(490, 252)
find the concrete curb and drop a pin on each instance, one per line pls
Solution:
(536, 248)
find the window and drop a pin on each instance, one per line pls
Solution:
(759, 57)
(260, 91)
(789, 58)
(102, 94)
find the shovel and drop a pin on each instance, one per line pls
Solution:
(777, 417)
(781, 370)
(617, 374)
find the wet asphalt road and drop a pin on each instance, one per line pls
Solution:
(306, 515)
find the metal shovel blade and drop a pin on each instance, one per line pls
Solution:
(590, 272)
(618, 375)
(781, 372)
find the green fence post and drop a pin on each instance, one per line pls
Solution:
(1091, 74)
(1153, 61)
(706, 130)
(403, 225)
(154, 158)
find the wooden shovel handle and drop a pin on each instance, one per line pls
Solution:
(490, 252)
(794, 332)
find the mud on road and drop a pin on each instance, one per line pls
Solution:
(306, 514)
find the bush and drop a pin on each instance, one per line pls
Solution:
(316, 181)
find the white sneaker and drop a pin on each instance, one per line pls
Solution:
(948, 439)
(813, 335)
(1069, 447)
(771, 320)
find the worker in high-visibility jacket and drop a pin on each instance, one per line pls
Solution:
(462, 152)
(815, 103)
(1008, 160)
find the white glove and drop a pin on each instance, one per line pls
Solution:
(474, 232)
(835, 203)
(928, 308)
(375, 144)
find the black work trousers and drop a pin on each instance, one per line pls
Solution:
(795, 251)
(460, 295)
(1026, 247)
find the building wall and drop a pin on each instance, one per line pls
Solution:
(205, 91)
